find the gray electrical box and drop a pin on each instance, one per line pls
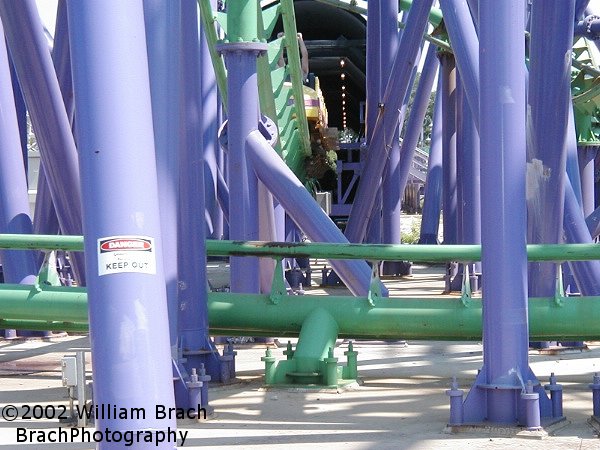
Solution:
(69, 371)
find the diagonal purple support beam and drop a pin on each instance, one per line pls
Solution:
(414, 125)
(303, 209)
(383, 134)
(549, 102)
(373, 67)
(127, 304)
(586, 273)
(17, 265)
(449, 196)
(37, 77)
(464, 41)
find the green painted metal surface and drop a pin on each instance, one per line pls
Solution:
(209, 18)
(242, 20)
(385, 252)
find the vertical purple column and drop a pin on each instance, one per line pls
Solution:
(470, 180)
(196, 345)
(243, 114)
(209, 126)
(374, 165)
(162, 21)
(549, 99)
(37, 78)
(392, 200)
(373, 67)
(375, 80)
(504, 258)
(123, 246)
(433, 184)
(448, 73)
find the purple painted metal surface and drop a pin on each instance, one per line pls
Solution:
(549, 101)
(162, 22)
(414, 126)
(128, 312)
(449, 196)
(243, 115)
(14, 202)
(31, 56)
(573, 158)
(586, 273)
(495, 395)
(303, 209)
(195, 344)
(209, 124)
(392, 200)
(587, 157)
(430, 222)
(395, 91)
(21, 110)
(464, 41)
(373, 67)
(468, 143)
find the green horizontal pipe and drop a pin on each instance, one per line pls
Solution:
(432, 318)
(41, 242)
(385, 252)
(40, 325)
(376, 252)
(53, 303)
(440, 317)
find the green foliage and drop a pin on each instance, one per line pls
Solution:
(412, 236)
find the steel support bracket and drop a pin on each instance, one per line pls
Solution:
(466, 293)
(278, 290)
(559, 293)
(48, 275)
(374, 293)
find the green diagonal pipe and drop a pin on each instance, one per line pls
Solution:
(440, 317)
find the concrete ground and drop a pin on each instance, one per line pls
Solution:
(400, 405)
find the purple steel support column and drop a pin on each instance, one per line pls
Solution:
(495, 394)
(587, 157)
(195, 344)
(464, 40)
(430, 222)
(209, 125)
(580, 6)
(414, 125)
(470, 181)
(390, 185)
(162, 21)
(373, 67)
(382, 136)
(21, 110)
(376, 78)
(37, 77)
(18, 266)
(127, 305)
(448, 74)
(573, 158)
(303, 210)
(586, 273)
(549, 103)
(14, 202)
(243, 115)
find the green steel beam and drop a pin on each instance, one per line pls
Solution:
(41, 242)
(208, 25)
(293, 54)
(388, 252)
(242, 21)
(439, 317)
(40, 325)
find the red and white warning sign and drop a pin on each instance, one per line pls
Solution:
(120, 254)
